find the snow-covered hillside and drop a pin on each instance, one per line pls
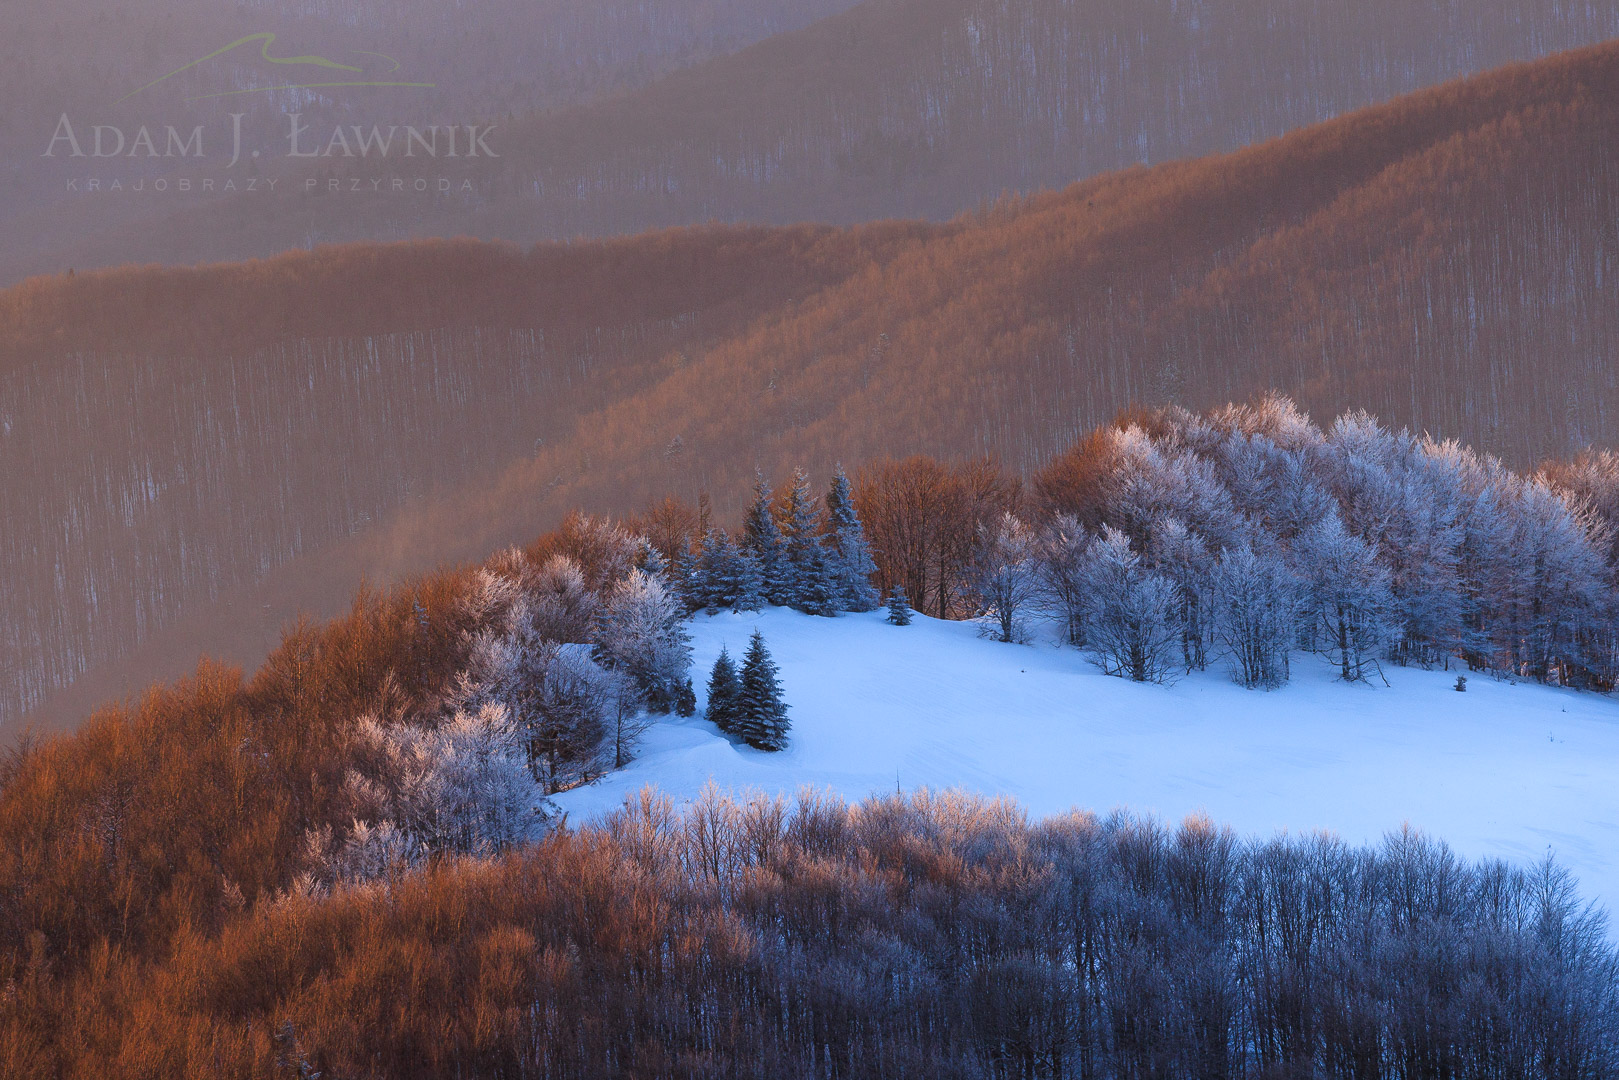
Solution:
(1501, 770)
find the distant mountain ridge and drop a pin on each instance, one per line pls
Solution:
(891, 108)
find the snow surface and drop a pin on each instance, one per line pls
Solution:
(1508, 770)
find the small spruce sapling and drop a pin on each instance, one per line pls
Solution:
(899, 608)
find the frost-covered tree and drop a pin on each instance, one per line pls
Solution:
(1182, 557)
(1006, 577)
(1131, 622)
(457, 787)
(809, 580)
(1559, 592)
(560, 605)
(1063, 575)
(1158, 483)
(1255, 616)
(628, 721)
(640, 633)
(761, 536)
(1346, 597)
(761, 715)
(724, 692)
(563, 705)
(899, 608)
(852, 566)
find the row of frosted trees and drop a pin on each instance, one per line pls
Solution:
(1170, 541)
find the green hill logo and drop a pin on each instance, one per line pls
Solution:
(372, 74)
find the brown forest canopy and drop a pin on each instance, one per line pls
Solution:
(182, 447)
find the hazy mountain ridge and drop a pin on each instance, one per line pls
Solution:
(481, 62)
(894, 108)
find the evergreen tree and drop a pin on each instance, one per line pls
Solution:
(761, 536)
(850, 562)
(686, 700)
(810, 586)
(717, 578)
(750, 582)
(899, 609)
(761, 715)
(724, 688)
(653, 563)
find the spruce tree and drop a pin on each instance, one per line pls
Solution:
(762, 537)
(700, 591)
(851, 564)
(750, 583)
(724, 690)
(761, 715)
(809, 579)
(899, 609)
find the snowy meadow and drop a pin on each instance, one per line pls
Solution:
(1509, 770)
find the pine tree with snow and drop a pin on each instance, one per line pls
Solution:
(810, 586)
(724, 690)
(701, 591)
(749, 594)
(849, 556)
(761, 536)
(686, 700)
(761, 715)
(899, 608)
(721, 577)
(653, 562)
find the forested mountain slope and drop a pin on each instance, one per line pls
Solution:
(893, 108)
(1446, 261)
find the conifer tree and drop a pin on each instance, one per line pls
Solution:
(724, 690)
(852, 566)
(718, 577)
(686, 700)
(809, 579)
(761, 715)
(699, 589)
(899, 608)
(750, 582)
(761, 536)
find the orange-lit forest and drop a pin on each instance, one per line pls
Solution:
(1446, 261)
